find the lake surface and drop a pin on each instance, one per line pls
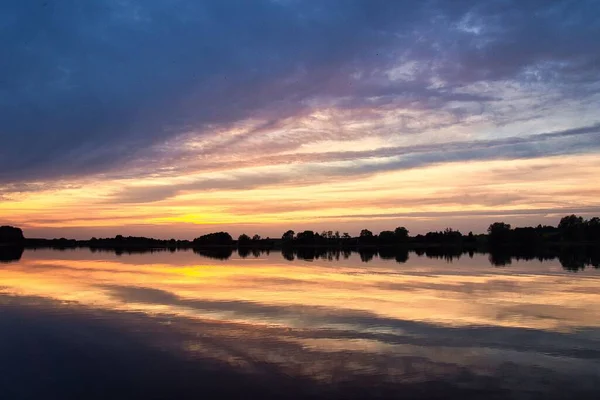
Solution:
(83, 325)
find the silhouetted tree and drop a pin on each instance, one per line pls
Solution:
(306, 237)
(470, 239)
(244, 240)
(365, 233)
(11, 234)
(288, 236)
(366, 237)
(499, 232)
(571, 227)
(527, 236)
(446, 237)
(387, 237)
(401, 234)
(214, 239)
(450, 235)
(592, 229)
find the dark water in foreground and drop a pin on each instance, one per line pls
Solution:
(78, 325)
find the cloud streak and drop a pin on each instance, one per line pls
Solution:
(138, 103)
(90, 86)
(311, 170)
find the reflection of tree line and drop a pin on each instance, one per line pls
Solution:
(10, 253)
(573, 258)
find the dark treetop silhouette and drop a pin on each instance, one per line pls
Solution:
(11, 244)
(10, 234)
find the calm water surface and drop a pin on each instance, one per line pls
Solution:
(77, 324)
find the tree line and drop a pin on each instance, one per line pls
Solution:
(571, 229)
(574, 242)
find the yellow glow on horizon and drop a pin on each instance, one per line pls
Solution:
(498, 185)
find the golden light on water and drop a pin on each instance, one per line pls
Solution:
(273, 291)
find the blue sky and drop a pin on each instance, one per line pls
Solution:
(178, 116)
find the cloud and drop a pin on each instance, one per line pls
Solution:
(474, 213)
(536, 40)
(92, 87)
(89, 85)
(313, 168)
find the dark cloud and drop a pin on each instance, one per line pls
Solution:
(537, 39)
(87, 86)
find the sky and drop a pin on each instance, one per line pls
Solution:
(173, 118)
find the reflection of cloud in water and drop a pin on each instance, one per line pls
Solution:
(393, 363)
(470, 293)
(423, 321)
(367, 325)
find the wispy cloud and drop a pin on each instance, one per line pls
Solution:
(312, 168)
(141, 103)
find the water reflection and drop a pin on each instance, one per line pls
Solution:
(10, 253)
(572, 258)
(332, 327)
(218, 253)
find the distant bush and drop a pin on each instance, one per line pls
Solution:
(214, 239)
(10, 234)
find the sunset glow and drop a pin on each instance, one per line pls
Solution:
(299, 199)
(420, 118)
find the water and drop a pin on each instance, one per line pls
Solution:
(81, 325)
